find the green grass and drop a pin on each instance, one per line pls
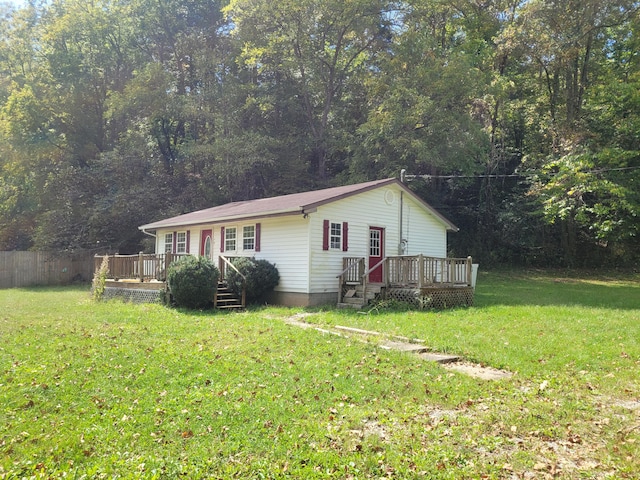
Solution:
(104, 390)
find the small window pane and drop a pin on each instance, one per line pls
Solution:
(181, 242)
(374, 243)
(230, 239)
(249, 237)
(336, 236)
(168, 242)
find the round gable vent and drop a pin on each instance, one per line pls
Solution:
(389, 197)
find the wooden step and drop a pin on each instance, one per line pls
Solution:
(354, 300)
(354, 306)
(226, 299)
(230, 306)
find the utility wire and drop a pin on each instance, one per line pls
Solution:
(512, 175)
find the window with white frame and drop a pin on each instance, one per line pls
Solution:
(335, 236)
(168, 242)
(181, 242)
(230, 236)
(249, 237)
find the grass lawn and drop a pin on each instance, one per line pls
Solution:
(114, 390)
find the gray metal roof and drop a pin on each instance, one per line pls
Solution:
(295, 203)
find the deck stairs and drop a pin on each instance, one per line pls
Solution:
(226, 299)
(354, 296)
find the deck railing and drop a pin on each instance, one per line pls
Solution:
(421, 271)
(418, 271)
(142, 267)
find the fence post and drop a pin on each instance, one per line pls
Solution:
(469, 270)
(96, 263)
(420, 270)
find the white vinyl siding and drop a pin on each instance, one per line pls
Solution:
(376, 208)
(283, 242)
(424, 232)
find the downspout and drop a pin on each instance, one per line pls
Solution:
(401, 244)
(147, 233)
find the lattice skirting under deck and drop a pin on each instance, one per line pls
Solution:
(133, 295)
(437, 298)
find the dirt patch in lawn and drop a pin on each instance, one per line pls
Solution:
(478, 371)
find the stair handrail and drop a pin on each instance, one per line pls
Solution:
(341, 275)
(365, 276)
(244, 279)
(354, 264)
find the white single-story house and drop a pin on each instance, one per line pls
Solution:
(308, 235)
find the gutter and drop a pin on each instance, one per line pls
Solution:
(219, 220)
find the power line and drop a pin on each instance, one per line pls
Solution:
(428, 177)
(404, 176)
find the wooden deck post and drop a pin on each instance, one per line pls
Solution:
(387, 273)
(168, 258)
(420, 270)
(469, 270)
(141, 266)
(341, 280)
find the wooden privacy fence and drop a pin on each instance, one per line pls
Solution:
(24, 269)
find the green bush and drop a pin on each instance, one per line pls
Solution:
(261, 276)
(193, 282)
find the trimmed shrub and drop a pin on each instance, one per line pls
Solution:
(262, 277)
(193, 282)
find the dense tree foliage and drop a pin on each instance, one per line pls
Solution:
(519, 120)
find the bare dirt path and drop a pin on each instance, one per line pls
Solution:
(413, 346)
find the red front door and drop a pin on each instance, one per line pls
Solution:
(376, 249)
(206, 244)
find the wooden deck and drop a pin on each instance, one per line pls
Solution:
(144, 267)
(426, 282)
(143, 276)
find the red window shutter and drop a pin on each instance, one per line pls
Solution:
(221, 239)
(175, 239)
(345, 236)
(188, 240)
(325, 235)
(257, 245)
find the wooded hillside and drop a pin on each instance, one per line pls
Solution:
(523, 115)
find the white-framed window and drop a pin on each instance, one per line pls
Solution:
(230, 237)
(249, 237)
(181, 242)
(168, 242)
(375, 242)
(335, 236)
